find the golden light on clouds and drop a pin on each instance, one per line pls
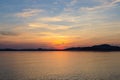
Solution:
(28, 13)
(57, 41)
(47, 26)
(60, 42)
(42, 23)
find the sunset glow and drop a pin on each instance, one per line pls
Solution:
(58, 23)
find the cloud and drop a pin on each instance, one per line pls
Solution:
(47, 26)
(60, 18)
(8, 33)
(105, 5)
(73, 2)
(70, 6)
(50, 19)
(28, 13)
(49, 34)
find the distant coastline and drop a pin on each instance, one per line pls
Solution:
(102, 47)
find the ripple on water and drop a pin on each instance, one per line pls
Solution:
(63, 77)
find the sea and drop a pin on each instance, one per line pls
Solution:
(59, 65)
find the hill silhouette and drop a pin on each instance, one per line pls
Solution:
(102, 47)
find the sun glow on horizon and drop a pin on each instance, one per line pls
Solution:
(58, 24)
(59, 42)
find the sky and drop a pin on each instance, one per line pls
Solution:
(59, 23)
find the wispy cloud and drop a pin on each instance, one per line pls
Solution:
(69, 6)
(50, 34)
(28, 13)
(50, 19)
(105, 5)
(60, 18)
(8, 33)
(47, 26)
(73, 2)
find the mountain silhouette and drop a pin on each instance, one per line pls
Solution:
(102, 47)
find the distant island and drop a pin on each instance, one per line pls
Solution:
(102, 47)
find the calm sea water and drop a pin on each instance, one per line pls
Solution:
(59, 65)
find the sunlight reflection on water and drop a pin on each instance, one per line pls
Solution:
(59, 65)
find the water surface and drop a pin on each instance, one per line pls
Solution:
(59, 65)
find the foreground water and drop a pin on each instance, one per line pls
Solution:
(59, 65)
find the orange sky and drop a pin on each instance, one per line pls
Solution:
(59, 23)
